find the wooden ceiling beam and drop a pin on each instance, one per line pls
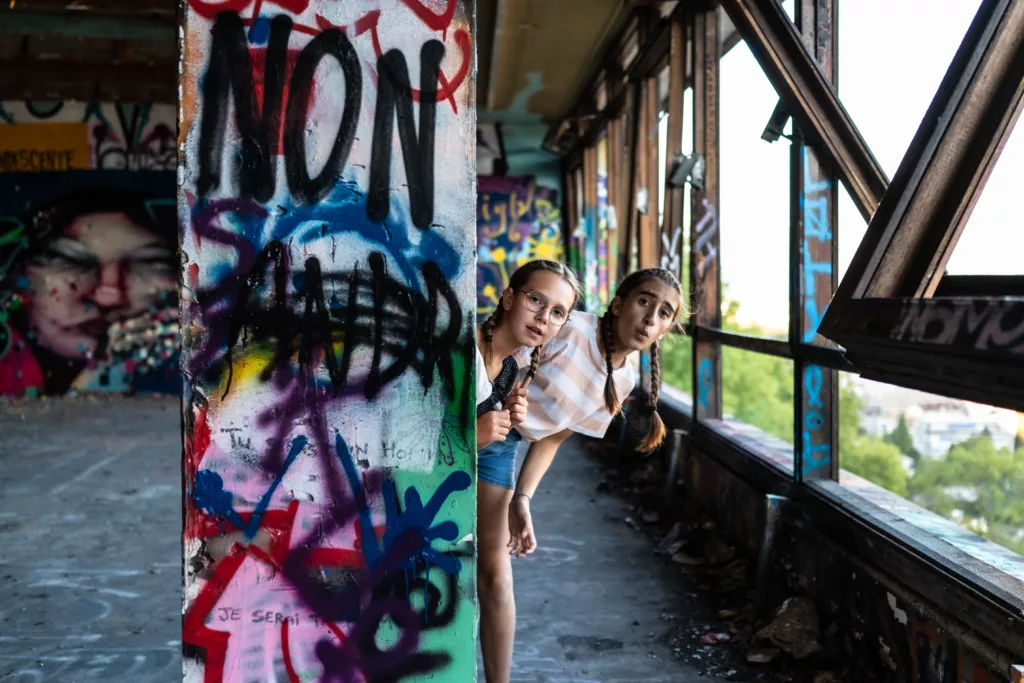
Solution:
(85, 24)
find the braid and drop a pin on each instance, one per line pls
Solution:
(534, 364)
(487, 329)
(656, 430)
(611, 397)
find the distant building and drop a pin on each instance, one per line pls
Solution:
(936, 423)
(936, 427)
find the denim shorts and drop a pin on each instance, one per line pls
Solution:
(496, 463)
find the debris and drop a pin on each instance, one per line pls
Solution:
(827, 677)
(632, 522)
(676, 547)
(762, 655)
(728, 613)
(671, 539)
(687, 560)
(715, 638)
(794, 629)
(650, 517)
(719, 552)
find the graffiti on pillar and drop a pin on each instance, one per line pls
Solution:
(517, 221)
(327, 339)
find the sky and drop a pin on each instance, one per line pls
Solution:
(892, 57)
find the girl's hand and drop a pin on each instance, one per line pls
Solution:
(520, 527)
(492, 426)
(517, 404)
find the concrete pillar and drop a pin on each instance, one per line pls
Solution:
(326, 202)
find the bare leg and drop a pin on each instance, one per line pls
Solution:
(494, 582)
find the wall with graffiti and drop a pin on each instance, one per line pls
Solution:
(327, 248)
(517, 221)
(88, 274)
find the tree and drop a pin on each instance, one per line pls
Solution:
(983, 483)
(867, 456)
(901, 439)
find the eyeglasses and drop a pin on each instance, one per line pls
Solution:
(537, 303)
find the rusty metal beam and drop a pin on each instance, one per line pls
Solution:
(705, 274)
(811, 101)
(814, 258)
(672, 223)
(650, 237)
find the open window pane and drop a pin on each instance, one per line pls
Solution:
(758, 389)
(992, 242)
(896, 51)
(677, 362)
(754, 196)
(687, 148)
(961, 460)
(852, 228)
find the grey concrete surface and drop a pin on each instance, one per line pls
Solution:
(90, 530)
(594, 605)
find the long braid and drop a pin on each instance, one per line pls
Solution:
(487, 330)
(656, 430)
(611, 397)
(534, 364)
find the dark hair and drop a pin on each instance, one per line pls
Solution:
(517, 282)
(656, 430)
(45, 222)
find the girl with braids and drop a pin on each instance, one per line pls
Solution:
(534, 307)
(580, 382)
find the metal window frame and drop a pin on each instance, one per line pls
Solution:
(886, 312)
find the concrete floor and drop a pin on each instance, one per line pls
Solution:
(90, 529)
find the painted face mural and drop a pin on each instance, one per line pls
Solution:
(327, 242)
(89, 283)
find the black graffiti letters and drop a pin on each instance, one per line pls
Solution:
(394, 94)
(406, 329)
(229, 80)
(307, 190)
(230, 70)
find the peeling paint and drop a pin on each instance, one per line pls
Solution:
(901, 615)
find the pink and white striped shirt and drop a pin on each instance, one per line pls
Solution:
(568, 390)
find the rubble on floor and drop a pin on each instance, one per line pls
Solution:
(721, 640)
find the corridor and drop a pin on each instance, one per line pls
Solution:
(90, 522)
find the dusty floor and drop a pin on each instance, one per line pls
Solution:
(90, 530)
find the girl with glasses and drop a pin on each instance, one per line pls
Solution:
(578, 385)
(535, 306)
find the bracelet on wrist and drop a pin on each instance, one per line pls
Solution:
(523, 495)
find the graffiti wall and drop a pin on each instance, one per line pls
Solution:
(88, 263)
(325, 204)
(517, 221)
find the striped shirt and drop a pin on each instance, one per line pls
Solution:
(568, 389)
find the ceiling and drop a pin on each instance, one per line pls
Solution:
(101, 50)
(533, 54)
